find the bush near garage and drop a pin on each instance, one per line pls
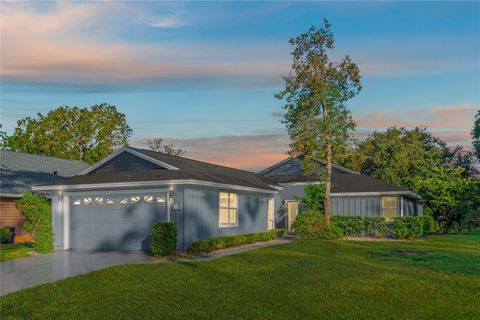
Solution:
(4, 234)
(164, 238)
(311, 224)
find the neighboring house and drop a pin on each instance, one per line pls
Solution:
(352, 193)
(113, 204)
(19, 171)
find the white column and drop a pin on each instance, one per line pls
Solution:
(66, 221)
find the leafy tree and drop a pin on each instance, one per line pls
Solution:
(314, 196)
(398, 155)
(86, 134)
(157, 145)
(316, 91)
(448, 194)
(38, 216)
(3, 139)
(476, 134)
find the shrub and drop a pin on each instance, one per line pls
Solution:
(429, 223)
(223, 242)
(312, 224)
(164, 238)
(375, 226)
(408, 227)
(361, 226)
(38, 220)
(4, 234)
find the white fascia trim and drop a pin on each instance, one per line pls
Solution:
(409, 193)
(10, 195)
(139, 184)
(126, 149)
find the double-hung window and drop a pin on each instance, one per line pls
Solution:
(228, 213)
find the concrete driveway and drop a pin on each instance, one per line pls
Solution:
(32, 271)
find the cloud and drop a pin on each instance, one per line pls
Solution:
(451, 123)
(168, 22)
(251, 152)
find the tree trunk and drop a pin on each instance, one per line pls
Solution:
(328, 182)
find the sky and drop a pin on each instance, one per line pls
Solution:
(203, 75)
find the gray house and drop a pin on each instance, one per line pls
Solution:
(352, 193)
(112, 204)
(18, 173)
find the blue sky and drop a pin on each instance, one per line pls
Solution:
(203, 74)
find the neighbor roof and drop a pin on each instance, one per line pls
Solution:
(20, 171)
(185, 169)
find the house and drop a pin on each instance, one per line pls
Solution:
(352, 193)
(112, 204)
(19, 171)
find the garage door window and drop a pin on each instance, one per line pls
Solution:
(148, 199)
(77, 202)
(160, 200)
(99, 200)
(135, 200)
(228, 210)
(109, 201)
(123, 201)
(87, 201)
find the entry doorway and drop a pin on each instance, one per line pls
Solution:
(292, 212)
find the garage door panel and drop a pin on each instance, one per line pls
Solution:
(118, 221)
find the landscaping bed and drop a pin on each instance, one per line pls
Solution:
(16, 250)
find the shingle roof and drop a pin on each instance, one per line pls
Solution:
(20, 171)
(345, 183)
(187, 169)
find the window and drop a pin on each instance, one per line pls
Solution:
(87, 200)
(148, 199)
(270, 224)
(389, 206)
(109, 201)
(98, 200)
(228, 209)
(123, 201)
(160, 200)
(135, 200)
(77, 202)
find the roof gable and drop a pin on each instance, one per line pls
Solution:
(293, 167)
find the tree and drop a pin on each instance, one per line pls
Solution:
(3, 139)
(76, 133)
(476, 134)
(398, 155)
(156, 144)
(449, 195)
(316, 91)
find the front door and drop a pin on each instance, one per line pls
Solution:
(292, 207)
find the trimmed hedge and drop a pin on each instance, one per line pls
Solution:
(361, 226)
(408, 227)
(311, 224)
(4, 234)
(219, 243)
(400, 227)
(164, 238)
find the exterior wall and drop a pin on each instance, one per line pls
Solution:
(126, 161)
(291, 191)
(57, 222)
(201, 208)
(10, 217)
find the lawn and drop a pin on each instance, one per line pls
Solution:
(15, 251)
(438, 278)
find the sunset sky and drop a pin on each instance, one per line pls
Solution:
(203, 74)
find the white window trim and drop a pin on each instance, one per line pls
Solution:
(229, 225)
(273, 214)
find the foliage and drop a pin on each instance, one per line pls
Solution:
(4, 234)
(37, 212)
(361, 226)
(86, 134)
(314, 196)
(449, 195)
(3, 139)
(397, 155)
(316, 91)
(407, 227)
(307, 279)
(157, 145)
(476, 134)
(15, 250)
(430, 225)
(224, 242)
(164, 238)
(312, 224)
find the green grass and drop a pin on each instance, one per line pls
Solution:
(15, 250)
(300, 280)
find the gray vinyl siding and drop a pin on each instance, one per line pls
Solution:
(126, 161)
(201, 208)
(364, 206)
